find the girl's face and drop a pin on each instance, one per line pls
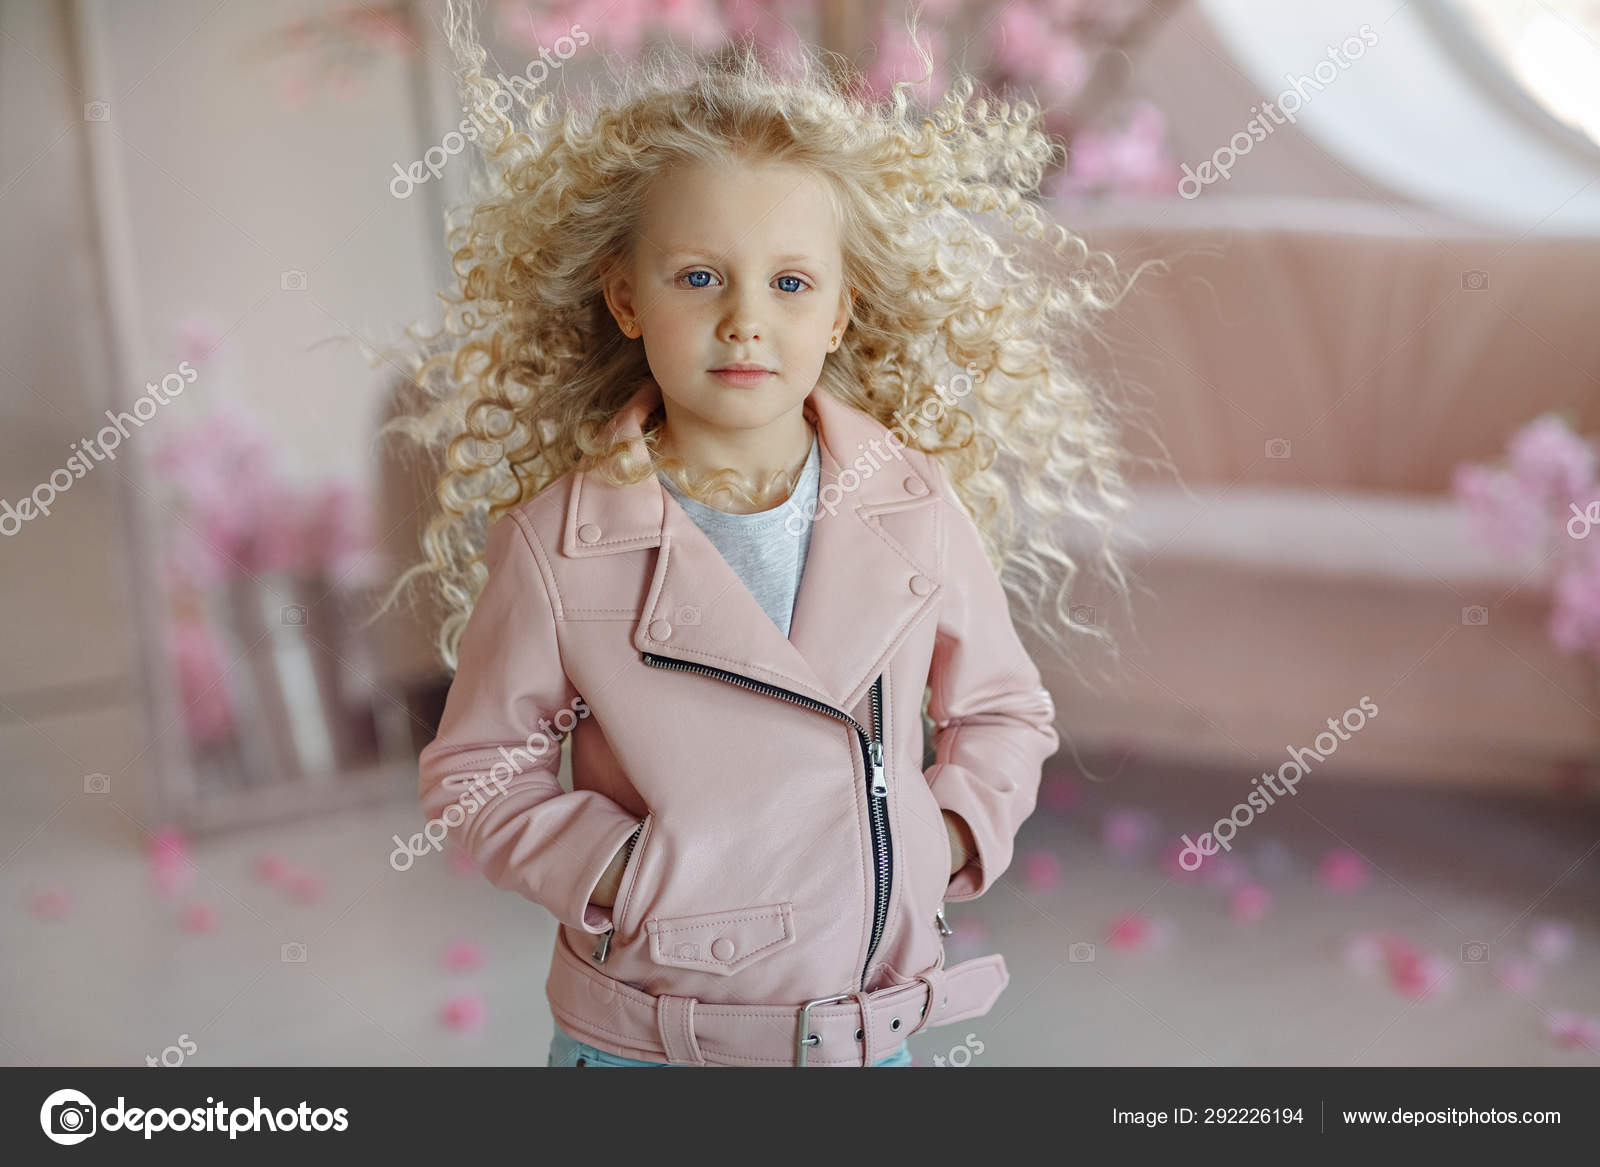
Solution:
(735, 265)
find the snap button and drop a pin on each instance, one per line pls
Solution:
(589, 533)
(915, 486)
(921, 585)
(722, 948)
(688, 614)
(660, 630)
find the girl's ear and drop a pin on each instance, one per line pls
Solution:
(845, 308)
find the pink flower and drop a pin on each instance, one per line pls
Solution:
(463, 956)
(1574, 623)
(1059, 793)
(202, 682)
(1041, 870)
(1133, 930)
(1364, 952)
(1574, 1031)
(1552, 463)
(272, 867)
(1126, 831)
(1224, 870)
(1517, 976)
(303, 886)
(1551, 941)
(199, 917)
(1342, 871)
(1249, 903)
(465, 1011)
(1502, 512)
(50, 903)
(1133, 159)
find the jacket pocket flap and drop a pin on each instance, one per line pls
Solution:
(721, 942)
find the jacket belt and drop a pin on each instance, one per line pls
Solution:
(688, 1031)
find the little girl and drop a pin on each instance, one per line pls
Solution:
(710, 515)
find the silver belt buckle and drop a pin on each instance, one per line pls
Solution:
(806, 1038)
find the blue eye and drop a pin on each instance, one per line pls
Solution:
(801, 284)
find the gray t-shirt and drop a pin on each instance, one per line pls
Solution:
(762, 548)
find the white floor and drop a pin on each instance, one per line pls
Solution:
(116, 979)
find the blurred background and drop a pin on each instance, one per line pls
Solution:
(1368, 383)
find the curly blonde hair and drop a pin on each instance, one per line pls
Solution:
(532, 367)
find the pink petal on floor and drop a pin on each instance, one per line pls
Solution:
(1342, 870)
(198, 917)
(465, 1011)
(1126, 831)
(1041, 870)
(1059, 793)
(167, 843)
(1172, 863)
(1128, 931)
(169, 877)
(50, 903)
(1224, 870)
(461, 863)
(1249, 902)
(1551, 941)
(1517, 976)
(1160, 934)
(1363, 952)
(1574, 1030)
(305, 887)
(272, 867)
(463, 955)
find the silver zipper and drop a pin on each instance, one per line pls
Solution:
(872, 751)
(944, 926)
(603, 949)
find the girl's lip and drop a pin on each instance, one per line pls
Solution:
(742, 376)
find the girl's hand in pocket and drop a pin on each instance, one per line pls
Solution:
(962, 845)
(605, 892)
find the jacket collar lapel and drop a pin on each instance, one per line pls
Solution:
(859, 591)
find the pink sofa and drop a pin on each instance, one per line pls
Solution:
(1314, 383)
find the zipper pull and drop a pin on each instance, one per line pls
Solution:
(879, 786)
(604, 947)
(944, 927)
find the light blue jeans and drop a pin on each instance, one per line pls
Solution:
(566, 1050)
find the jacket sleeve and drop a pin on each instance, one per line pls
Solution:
(494, 758)
(993, 719)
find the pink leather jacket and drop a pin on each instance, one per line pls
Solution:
(789, 843)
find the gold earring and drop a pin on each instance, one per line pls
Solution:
(833, 342)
